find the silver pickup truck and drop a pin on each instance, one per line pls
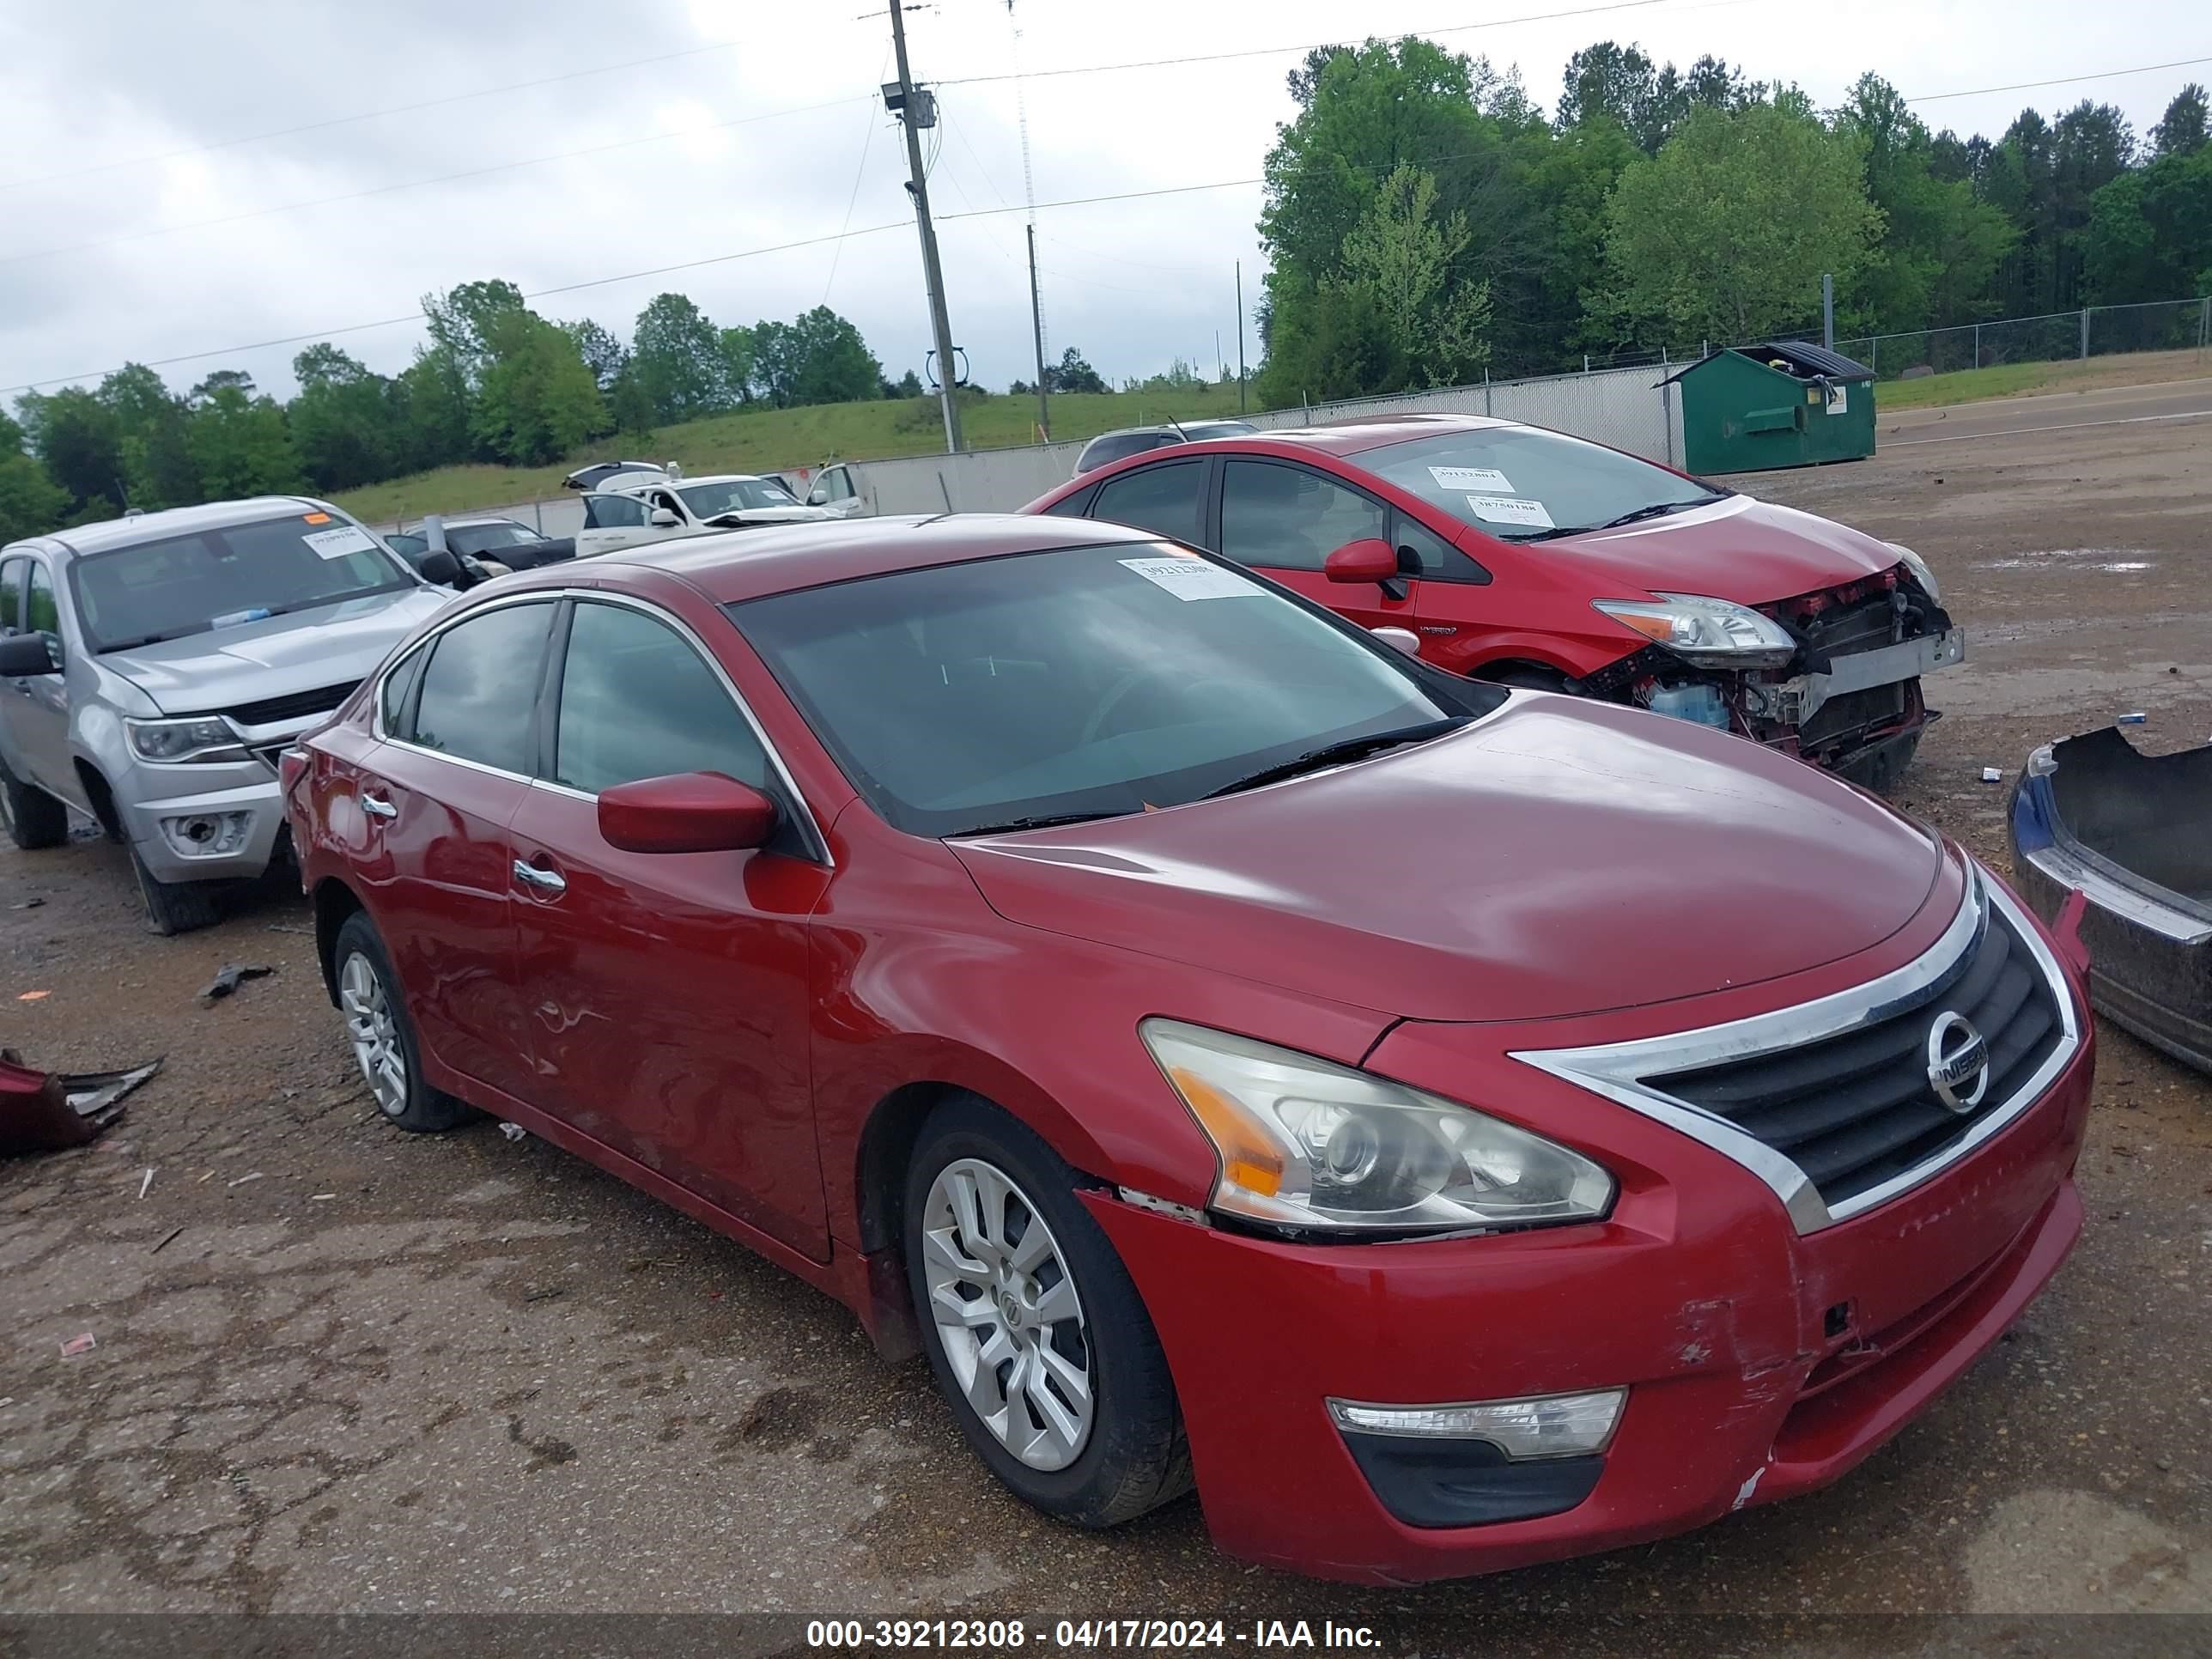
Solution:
(153, 668)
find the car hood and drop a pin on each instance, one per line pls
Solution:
(1559, 857)
(1752, 552)
(304, 651)
(799, 514)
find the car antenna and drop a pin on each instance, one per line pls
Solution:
(1180, 433)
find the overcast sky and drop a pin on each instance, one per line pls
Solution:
(122, 120)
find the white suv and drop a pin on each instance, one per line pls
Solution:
(668, 508)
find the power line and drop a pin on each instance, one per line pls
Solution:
(867, 141)
(421, 184)
(1277, 51)
(366, 115)
(2060, 81)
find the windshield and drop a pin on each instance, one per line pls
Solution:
(1518, 483)
(222, 578)
(711, 501)
(408, 545)
(1091, 681)
(488, 537)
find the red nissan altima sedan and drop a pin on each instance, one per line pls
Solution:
(1442, 1122)
(1533, 558)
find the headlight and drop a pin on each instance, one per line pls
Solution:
(1918, 566)
(1708, 632)
(1306, 1143)
(207, 740)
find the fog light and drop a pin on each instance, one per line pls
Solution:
(1549, 1425)
(207, 834)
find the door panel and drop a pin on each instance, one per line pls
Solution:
(36, 706)
(668, 991)
(1286, 519)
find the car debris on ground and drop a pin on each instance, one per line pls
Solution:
(45, 1112)
(229, 977)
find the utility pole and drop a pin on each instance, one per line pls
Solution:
(1036, 328)
(1240, 336)
(1828, 311)
(916, 110)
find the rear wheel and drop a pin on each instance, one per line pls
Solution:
(1524, 675)
(382, 1037)
(32, 817)
(1035, 1331)
(175, 906)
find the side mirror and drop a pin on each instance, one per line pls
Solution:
(24, 654)
(691, 812)
(1370, 559)
(1399, 638)
(439, 565)
(663, 518)
(818, 496)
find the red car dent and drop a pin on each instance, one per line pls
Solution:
(753, 1037)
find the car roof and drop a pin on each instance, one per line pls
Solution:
(1165, 428)
(113, 534)
(1349, 437)
(750, 564)
(666, 483)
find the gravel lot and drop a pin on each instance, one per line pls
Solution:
(380, 1373)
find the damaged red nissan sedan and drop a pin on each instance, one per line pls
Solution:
(1441, 1122)
(1533, 558)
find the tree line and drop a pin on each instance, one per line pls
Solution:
(495, 382)
(1427, 222)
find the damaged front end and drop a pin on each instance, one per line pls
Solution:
(2132, 834)
(1832, 678)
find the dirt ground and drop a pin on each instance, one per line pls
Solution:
(341, 1368)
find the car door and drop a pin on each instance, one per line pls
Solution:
(35, 707)
(1168, 498)
(459, 717)
(833, 490)
(1284, 519)
(668, 991)
(666, 501)
(610, 520)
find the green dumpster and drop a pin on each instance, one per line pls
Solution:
(1751, 409)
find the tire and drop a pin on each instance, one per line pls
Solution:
(1130, 1455)
(175, 906)
(34, 819)
(383, 1037)
(1525, 676)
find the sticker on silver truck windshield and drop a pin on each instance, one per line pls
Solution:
(1192, 578)
(1471, 477)
(337, 543)
(1510, 509)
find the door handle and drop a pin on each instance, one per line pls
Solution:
(377, 807)
(545, 880)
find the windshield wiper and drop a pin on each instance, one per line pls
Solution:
(1350, 748)
(153, 639)
(1043, 821)
(1656, 510)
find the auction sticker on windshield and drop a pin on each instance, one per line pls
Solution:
(1471, 477)
(1510, 509)
(337, 543)
(1192, 578)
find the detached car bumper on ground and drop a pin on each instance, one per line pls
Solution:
(1277, 1078)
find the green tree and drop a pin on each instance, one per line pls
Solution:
(910, 384)
(679, 353)
(1647, 100)
(346, 421)
(433, 407)
(151, 424)
(605, 355)
(2150, 232)
(462, 321)
(2182, 128)
(238, 441)
(76, 438)
(1071, 373)
(1410, 259)
(536, 399)
(1725, 234)
(31, 503)
(741, 362)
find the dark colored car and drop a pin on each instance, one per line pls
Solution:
(1120, 444)
(505, 542)
(1527, 556)
(1442, 1122)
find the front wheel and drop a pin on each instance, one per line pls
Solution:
(383, 1037)
(1035, 1331)
(174, 907)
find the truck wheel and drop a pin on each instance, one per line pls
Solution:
(34, 818)
(174, 907)
(1038, 1338)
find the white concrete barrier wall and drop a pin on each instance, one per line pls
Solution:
(1625, 408)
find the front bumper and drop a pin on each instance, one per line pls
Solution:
(1797, 700)
(1696, 1294)
(260, 802)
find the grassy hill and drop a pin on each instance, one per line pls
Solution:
(771, 439)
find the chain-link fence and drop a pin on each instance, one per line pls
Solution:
(2092, 331)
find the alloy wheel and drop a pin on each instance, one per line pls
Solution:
(374, 1034)
(1008, 1314)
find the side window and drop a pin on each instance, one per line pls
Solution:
(398, 686)
(41, 615)
(1286, 518)
(613, 512)
(838, 483)
(1071, 507)
(664, 498)
(1161, 498)
(636, 701)
(480, 690)
(1438, 559)
(13, 573)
